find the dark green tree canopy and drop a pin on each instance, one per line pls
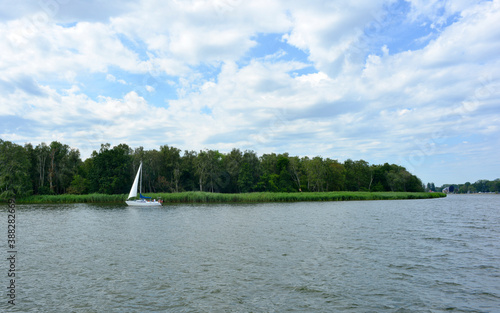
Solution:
(56, 168)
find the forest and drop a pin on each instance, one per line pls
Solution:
(58, 169)
(480, 186)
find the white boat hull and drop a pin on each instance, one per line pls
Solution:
(142, 203)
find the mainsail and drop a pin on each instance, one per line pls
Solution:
(133, 193)
(133, 190)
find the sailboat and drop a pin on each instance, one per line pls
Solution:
(143, 201)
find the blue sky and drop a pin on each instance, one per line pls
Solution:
(412, 82)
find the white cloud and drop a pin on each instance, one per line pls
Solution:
(200, 31)
(356, 101)
(110, 78)
(438, 11)
(331, 32)
(54, 52)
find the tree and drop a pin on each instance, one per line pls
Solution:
(188, 180)
(414, 184)
(316, 173)
(214, 170)
(335, 175)
(111, 170)
(251, 158)
(380, 182)
(42, 152)
(78, 186)
(202, 162)
(245, 178)
(359, 176)
(296, 173)
(432, 187)
(14, 169)
(170, 168)
(275, 174)
(56, 168)
(56, 151)
(250, 173)
(232, 167)
(496, 185)
(30, 154)
(399, 179)
(285, 182)
(60, 163)
(151, 171)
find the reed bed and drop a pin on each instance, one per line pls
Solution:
(68, 198)
(208, 197)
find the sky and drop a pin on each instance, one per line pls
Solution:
(414, 82)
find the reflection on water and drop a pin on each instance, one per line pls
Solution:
(414, 255)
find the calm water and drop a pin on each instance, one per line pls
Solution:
(373, 256)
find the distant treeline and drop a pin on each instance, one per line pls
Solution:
(482, 185)
(58, 169)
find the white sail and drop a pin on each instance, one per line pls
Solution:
(133, 190)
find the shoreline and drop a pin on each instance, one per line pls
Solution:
(255, 197)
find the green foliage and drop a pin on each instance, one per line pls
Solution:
(52, 167)
(71, 198)
(110, 170)
(169, 176)
(188, 180)
(232, 163)
(14, 169)
(358, 175)
(245, 178)
(57, 169)
(208, 197)
(62, 163)
(397, 178)
(482, 186)
(79, 185)
(285, 183)
(255, 197)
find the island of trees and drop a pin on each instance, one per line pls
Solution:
(56, 168)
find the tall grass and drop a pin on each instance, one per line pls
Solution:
(67, 198)
(207, 197)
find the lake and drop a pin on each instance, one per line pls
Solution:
(431, 255)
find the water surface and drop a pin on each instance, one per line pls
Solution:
(430, 255)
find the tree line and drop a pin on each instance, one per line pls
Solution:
(482, 185)
(57, 169)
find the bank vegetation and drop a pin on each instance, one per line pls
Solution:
(56, 170)
(254, 197)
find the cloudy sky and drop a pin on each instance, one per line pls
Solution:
(413, 82)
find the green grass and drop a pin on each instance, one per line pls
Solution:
(207, 197)
(67, 198)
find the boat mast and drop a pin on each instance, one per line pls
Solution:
(140, 182)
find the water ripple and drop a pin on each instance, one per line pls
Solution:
(370, 256)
